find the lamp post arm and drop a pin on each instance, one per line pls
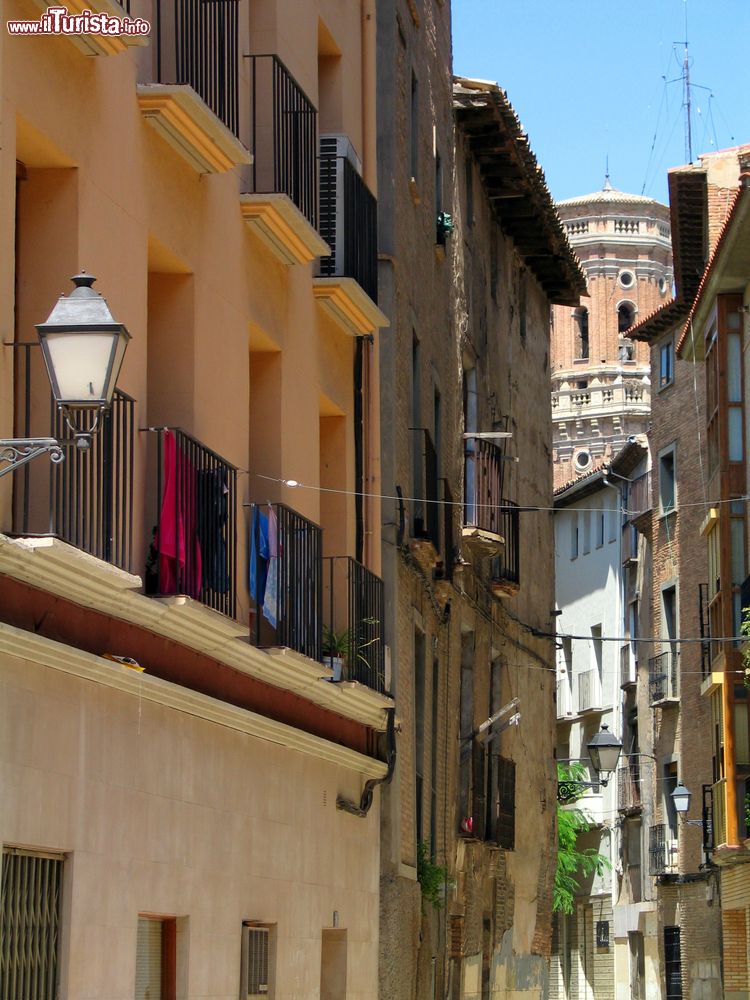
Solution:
(15, 452)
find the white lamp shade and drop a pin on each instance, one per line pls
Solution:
(83, 367)
(83, 347)
(604, 750)
(681, 798)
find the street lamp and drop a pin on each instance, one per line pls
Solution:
(604, 751)
(83, 348)
(681, 798)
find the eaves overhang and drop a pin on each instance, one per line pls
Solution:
(65, 571)
(516, 187)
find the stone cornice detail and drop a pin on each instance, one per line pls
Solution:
(277, 221)
(58, 656)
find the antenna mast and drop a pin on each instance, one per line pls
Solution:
(686, 101)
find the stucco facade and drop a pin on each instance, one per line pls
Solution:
(228, 792)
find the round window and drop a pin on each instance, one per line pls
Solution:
(627, 279)
(582, 460)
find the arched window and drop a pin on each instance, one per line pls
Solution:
(581, 320)
(625, 316)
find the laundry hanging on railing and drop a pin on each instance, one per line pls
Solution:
(264, 563)
(180, 561)
(212, 516)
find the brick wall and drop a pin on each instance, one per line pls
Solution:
(734, 928)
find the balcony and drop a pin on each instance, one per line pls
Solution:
(506, 568)
(425, 509)
(194, 547)
(663, 678)
(286, 580)
(87, 500)
(629, 789)
(589, 692)
(353, 599)
(194, 105)
(282, 199)
(628, 667)
(705, 630)
(662, 850)
(484, 506)
(632, 397)
(348, 284)
(564, 699)
(639, 496)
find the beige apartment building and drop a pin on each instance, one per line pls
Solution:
(193, 680)
(467, 279)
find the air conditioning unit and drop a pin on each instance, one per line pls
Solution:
(335, 151)
(254, 979)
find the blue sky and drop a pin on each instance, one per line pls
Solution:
(587, 79)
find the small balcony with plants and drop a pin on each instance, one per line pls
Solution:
(353, 603)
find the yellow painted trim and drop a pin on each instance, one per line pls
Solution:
(57, 655)
(349, 306)
(191, 128)
(709, 521)
(283, 228)
(712, 683)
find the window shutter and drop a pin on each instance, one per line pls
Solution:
(255, 962)
(506, 823)
(148, 971)
(478, 784)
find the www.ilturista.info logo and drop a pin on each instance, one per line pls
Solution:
(58, 21)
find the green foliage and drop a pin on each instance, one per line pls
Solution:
(433, 878)
(345, 643)
(745, 630)
(573, 863)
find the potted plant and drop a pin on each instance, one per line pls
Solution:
(336, 646)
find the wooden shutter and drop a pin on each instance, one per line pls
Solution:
(506, 820)
(148, 960)
(478, 786)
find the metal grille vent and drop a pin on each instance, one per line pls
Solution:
(29, 926)
(255, 961)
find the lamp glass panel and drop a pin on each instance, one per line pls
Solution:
(80, 364)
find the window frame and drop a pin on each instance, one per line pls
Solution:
(665, 453)
(666, 350)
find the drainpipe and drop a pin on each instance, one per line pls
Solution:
(359, 431)
(361, 810)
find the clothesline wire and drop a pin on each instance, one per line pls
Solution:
(522, 508)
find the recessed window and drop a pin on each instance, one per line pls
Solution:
(256, 974)
(155, 959)
(663, 286)
(599, 521)
(666, 364)
(625, 316)
(581, 324)
(582, 461)
(667, 481)
(627, 279)
(574, 535)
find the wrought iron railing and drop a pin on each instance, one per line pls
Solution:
(705, 629)
(506, 568)
(194, 545)
(197, 43)
(353, 600)
(629, 788)
(425, 507)
(639, 495)
(447, 548)
(87, 500)
(283, 136)
(348, 220)
(589, 685)
(286, 580)
(657, 849)
(663, 676)
(483, 485)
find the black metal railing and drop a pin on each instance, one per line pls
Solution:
(705, 629)
(283, 136)
(87, 500)
(639, 495)
(286, 580)
(197, 43)
(353, 600)
(657, 849)
(483, 486)
(425, 507)
(194, 545)
(629, 788)
(348, 220)
(663, 677)
(447, 548)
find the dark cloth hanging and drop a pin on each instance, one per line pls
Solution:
(212, 518)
